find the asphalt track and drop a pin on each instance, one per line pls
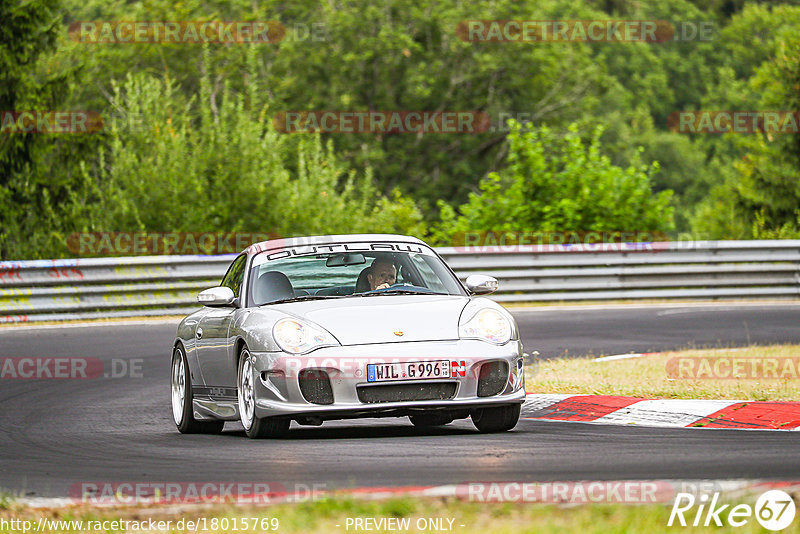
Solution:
(55, 434)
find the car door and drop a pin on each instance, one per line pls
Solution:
(214, 342)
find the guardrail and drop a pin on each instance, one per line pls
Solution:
(52, 290)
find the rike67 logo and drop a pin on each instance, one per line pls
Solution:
(774, 510)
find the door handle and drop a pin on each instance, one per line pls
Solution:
(199, 333)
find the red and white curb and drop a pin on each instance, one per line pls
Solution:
(676, 413)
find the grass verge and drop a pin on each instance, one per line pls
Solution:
(331, 516)
(748, 375)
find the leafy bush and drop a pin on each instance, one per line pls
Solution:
(556, 183)
(226, 170)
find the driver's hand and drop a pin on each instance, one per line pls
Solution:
(382, 286)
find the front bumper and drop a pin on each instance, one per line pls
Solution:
(278, 391)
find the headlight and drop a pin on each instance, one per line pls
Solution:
(487, 325)
(299, 337)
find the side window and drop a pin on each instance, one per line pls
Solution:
(429, 277)
(233, 278)
(405, 275)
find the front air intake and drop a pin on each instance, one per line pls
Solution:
(492, 378)
(407, 392)
(315, 386)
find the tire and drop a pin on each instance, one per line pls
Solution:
(255, 427)
(499, 419)
(432, 419)
(181, 393)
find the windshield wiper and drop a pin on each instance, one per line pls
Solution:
(304, 297)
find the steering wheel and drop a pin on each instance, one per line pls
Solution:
(393, 286)
(410, 287)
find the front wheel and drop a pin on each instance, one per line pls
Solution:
(181, 382)
(255, 427)
(499, 419)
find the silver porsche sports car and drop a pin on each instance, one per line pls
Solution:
(335, 327)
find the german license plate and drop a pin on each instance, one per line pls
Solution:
(383, 372)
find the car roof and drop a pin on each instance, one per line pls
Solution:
(327, 239)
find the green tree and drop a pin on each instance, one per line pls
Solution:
(761, 196)
(27, 34)
(396, 55)
(393, 56)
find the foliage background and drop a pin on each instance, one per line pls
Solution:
(188, 143)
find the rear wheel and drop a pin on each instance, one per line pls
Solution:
(181, 389)
(255, 427)
(431, 419)
(499, 419)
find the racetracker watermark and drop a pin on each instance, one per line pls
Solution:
(581, 492)
(158, 243)
(566, 241)
(138, 493)
(584, 31)
(742, 122)
(382, 122)
(148, 524)
(375, 369)
(500, 119)
(50, 122)
(69, 368)
(733, 367)
(184, 32)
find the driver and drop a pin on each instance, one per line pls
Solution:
(382, 274)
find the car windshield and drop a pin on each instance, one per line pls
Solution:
(354, 270)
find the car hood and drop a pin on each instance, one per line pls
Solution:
(384, 319)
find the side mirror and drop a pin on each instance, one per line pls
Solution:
(480, 284)
(216, 296)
